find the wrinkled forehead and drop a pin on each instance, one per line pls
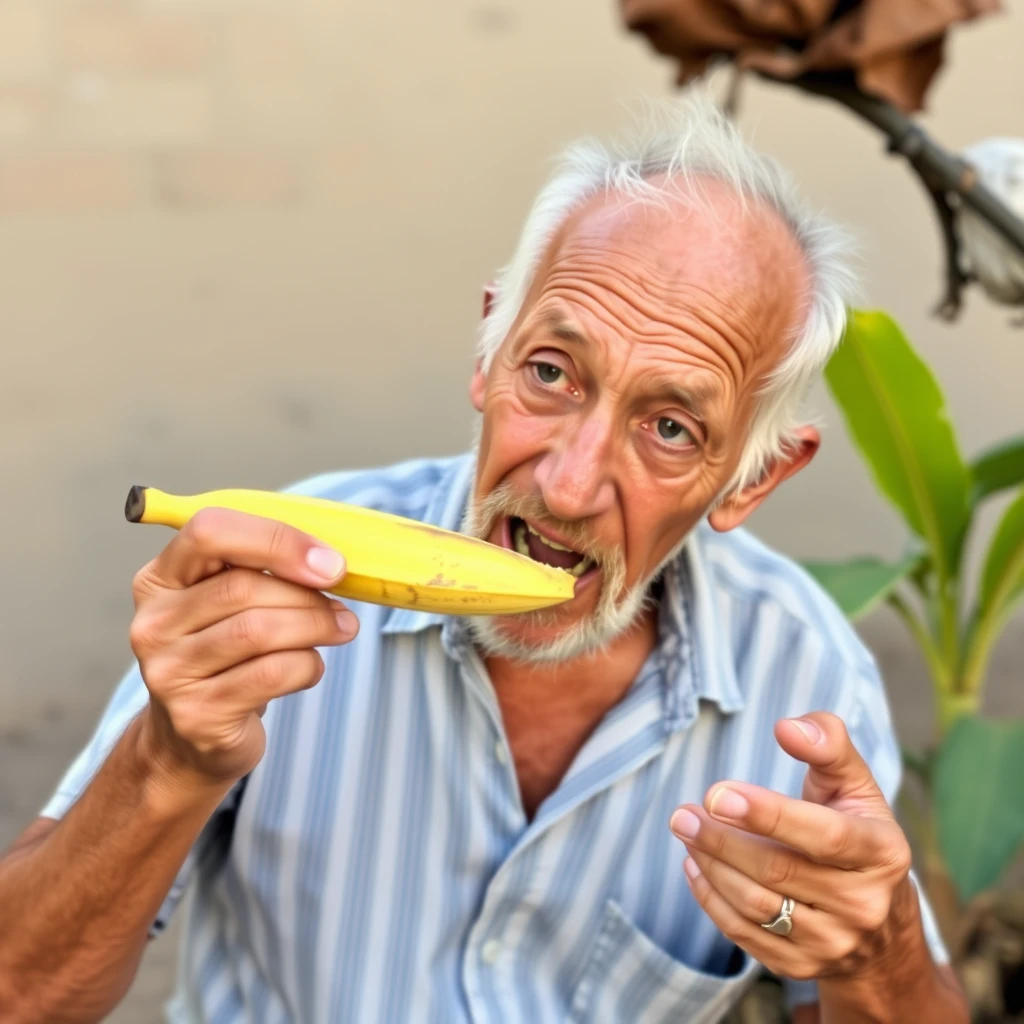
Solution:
(705, 253)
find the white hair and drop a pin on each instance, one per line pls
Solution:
(694, 140)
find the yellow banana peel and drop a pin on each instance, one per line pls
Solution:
(390, 560)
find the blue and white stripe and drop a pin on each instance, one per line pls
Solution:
(377, 865)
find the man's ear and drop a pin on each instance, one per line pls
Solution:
(489, 294)
(737, 507)
(478, 386)
(478, 382)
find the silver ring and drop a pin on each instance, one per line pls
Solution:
(783, 924)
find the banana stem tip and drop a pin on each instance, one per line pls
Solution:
(135, 506)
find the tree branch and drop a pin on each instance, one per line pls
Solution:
(946, 177)
(949, 306)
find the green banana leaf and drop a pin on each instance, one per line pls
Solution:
(897, 416)
(1002, 585)
(980, 800)
(860, 584)
(998, 468)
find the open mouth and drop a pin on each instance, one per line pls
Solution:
(528, 541)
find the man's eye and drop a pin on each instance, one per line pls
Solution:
(674, 432)
(547, 373)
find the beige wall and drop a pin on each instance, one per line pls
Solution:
(241, 243)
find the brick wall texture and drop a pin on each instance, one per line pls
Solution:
(122, 105)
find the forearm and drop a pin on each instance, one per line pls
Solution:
(76, 906)
(906, 984)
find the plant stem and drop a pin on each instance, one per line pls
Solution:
(949, 627)
(954, 705)
(978, 654)
(940, 674)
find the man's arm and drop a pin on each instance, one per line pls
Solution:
(78, 896)
(810, 1013)
(905, 984)
(807, 1013)
(214, 645)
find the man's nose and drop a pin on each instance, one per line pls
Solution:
(574, 475)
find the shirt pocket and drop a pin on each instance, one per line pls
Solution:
(630, 980)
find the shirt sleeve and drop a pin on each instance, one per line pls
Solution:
(128, 700)
(870, 727)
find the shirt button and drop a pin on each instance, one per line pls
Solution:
(490, 951)
(500, 752)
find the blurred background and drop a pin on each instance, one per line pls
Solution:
(242, 243)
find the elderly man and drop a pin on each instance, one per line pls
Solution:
(613, 811)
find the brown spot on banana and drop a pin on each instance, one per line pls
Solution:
(440, 581)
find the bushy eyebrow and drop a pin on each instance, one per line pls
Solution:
(695, 399)
(559, 327)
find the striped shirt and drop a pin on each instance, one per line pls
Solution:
(377, 865)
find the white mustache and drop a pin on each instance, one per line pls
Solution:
(503, 502)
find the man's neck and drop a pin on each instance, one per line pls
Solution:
(601, 677)
(549, 710)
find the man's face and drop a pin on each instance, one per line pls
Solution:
(617, 407)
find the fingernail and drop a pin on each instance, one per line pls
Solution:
(727, 803)
(685, 824)
(809, 729)
(325, 562)
(348, 623)
(692, 868)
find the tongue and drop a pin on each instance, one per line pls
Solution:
(541, 552)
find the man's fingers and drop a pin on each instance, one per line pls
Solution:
(837, 770)
(777, 953)
(217, 537)
(744, 895)
(823, 834)
(828, 938)
(254, 684)
(179, 613)
(776, 867)
(255, 632)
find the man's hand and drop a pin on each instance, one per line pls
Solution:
(215, 644)
(838, 852)
(216, 637)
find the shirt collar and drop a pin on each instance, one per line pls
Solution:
(693, 654)
(690, 610)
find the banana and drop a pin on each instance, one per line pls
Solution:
(390, 560)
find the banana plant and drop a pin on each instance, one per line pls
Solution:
(971, 824)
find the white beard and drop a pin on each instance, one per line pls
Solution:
(615, 614)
